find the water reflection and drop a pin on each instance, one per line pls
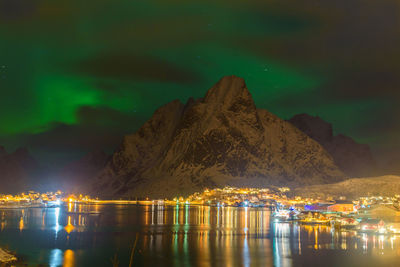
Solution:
(55, 259)
(60, 258)
(182, 235)
(69, 227)
(21, 221)
(56, 218)
(69, 258)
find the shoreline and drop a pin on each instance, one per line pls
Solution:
(6, 256)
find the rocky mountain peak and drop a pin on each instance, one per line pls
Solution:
(231, 93)
(221, 139)
(162, 119)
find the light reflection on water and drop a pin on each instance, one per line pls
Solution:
(183, 236)
(55, 258)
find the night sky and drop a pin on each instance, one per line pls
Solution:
(77, 75)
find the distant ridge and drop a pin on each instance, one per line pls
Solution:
(18, 171)
(354, 159)
(78, 174)
(221, 139)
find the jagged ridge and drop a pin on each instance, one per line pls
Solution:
(353, 159)
(221, 139)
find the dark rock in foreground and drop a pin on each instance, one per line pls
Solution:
(221, 139)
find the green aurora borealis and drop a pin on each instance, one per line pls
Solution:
(77, 75)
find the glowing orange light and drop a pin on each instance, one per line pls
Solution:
(69, 228)
(69, 258)
(21, 223)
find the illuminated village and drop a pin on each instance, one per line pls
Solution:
(374, 214)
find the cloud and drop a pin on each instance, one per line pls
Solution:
(17, 9)
(64, 57)
(132, 67)
(108, 117)
(98, 128)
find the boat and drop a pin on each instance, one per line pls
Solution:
(372, 226)
(393, 228)
(53, 204)
(281, 215)
(285, 215)
(345, 223)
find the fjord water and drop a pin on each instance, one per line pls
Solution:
(183, 235)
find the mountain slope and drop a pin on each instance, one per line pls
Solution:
(18, 171)
(221, 139)
(77, 174)
(388, 185)
(352, 158)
